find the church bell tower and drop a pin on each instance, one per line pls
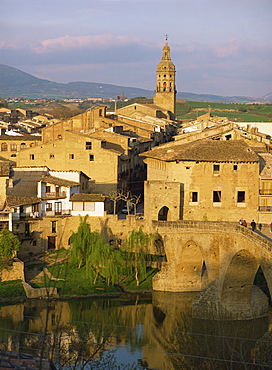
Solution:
(165, 95)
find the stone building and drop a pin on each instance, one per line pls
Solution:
(11, 145)
(75, 151)
(206, 180)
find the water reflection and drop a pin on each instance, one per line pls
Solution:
(158, 330)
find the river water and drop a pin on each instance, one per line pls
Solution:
(155, 331)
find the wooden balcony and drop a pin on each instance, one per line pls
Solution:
(54, 195)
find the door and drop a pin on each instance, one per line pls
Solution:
(51, 242)
(58, 208)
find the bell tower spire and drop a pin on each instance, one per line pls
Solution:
(165, 95)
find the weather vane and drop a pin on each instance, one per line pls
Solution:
(166, 37)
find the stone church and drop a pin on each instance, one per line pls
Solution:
(164, 101)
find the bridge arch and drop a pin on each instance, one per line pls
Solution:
(192, 267)
(239, 277)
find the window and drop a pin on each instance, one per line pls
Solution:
(71, 156)
(89, 206)
(13, 147)
(194, 196)
(217, 196)
(235, 167)
(52, 156)
(4, 147)
(59, 136)
(31, 157)
(54, 226)
(88, 145)
(91, 157)
(216, 169)
(47, 189)
(23, 145)
(48, 207)
(100, 112)
(241, 197)
(228, 137)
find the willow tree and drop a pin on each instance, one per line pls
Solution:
(90, 249)
(80, 243)
(137, 245)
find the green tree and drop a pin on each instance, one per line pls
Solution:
(80, 242)
(137, 245)
(90, 249)
(9, 245)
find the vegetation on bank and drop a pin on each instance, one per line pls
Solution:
(12, 289)
(93, 266)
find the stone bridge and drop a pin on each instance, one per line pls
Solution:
(219, 260)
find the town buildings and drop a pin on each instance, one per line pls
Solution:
(210, 169)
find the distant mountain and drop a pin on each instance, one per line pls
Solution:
(15, 83)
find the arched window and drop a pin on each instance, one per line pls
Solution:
(163, 212)
(4, 147)
(23, 146)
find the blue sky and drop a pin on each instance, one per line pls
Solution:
(221, 47)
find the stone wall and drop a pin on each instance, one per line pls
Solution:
(13, 272)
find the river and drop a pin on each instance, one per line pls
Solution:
(155, 331)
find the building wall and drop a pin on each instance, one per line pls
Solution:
(96, 209)
(11, 145)
(159, 194)
(70, 154)
(201, 178)
(40, 229)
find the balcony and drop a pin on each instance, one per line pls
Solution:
(62, 212)
(265, 208)
(265, 191)
(54, 195)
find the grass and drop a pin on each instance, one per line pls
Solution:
(238, 112)
(12, 289)
(77, 282)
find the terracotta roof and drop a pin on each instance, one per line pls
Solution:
(58, 181)
(83, 197)
(16, 200)
(265, 165)
(205, 150)
(25, 182)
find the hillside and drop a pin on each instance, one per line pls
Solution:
(15, 83)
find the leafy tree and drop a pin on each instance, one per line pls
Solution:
(9, 244)
(90, 249)
(138, 245)
(80, 242)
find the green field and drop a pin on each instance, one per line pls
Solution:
(238, 112)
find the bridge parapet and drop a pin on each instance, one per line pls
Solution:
(165, 227)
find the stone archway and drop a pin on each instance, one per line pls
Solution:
(239, 296)
(163, 213)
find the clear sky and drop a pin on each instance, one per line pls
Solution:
(221, 47)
